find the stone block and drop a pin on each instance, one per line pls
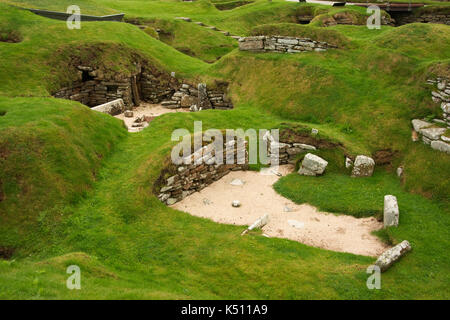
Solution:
(391, 212)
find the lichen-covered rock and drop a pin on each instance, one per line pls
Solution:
(391, 212)
(363, 166)
(312, 165)
(419, 124)
(390, 256)
(433, 133)
(187, 101)
(440, 146)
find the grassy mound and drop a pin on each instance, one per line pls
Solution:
(190, 38)
(228, 5)
(301, 31)
(422, 41)
(50, 154)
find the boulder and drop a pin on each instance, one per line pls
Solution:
(433, 133)
(312, 165)
(363, 166)
(440, 146)
(419, 124)
(251, 44)
(390, 256)
(236, 203)
(391, 213)
(187, 101)
(128, 114)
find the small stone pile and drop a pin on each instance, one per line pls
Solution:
(281, 44)
(200, 170)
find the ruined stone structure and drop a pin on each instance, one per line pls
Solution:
(435, 132)
(188, 95)
(93, 88)
(281, 44)
(200, 169)
(402, 18)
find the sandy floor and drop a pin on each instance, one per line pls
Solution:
(301, 223)
(148, 110)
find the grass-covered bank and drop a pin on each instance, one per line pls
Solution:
(135, 247)
(50, 155)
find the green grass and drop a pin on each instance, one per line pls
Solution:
(77, 189)
(191, 39)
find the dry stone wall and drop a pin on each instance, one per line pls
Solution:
(198, 98)
(437, 17)
(200, 170)
(281, 44)
(150, 85)
(435, 132)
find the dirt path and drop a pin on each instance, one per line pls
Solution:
(148, 110)
(301, 223)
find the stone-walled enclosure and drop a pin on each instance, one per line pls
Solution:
(199, 170)
(93, 88)
(281, 44)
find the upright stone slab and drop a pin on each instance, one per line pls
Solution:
(390, 256)
(203, 100)
(363, 166)
(391, 212)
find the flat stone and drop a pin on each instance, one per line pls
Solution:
(171, 201)
(363, 166)
(304, 146)
(237, 182)
(128, 114)
(433, 133)
(441, 146)
(391, 212)
(419, 124)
